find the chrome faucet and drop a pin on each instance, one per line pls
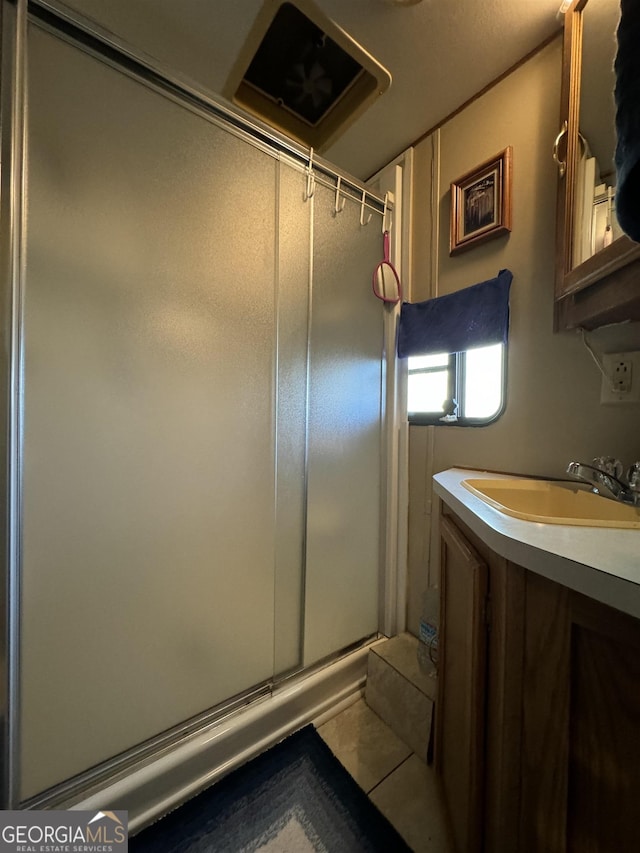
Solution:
(604, 475)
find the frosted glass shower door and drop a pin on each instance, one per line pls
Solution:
(149, 324)
(344, 461)
(294, 249)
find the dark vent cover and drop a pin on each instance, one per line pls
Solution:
(303, 74)
(301, 67)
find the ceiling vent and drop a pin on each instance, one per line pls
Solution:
(302, 74)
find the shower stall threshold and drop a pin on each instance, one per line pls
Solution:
(162, 783)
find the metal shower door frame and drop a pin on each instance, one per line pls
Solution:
(13, 110)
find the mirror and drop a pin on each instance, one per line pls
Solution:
(594, 259)
(386, 281)
(595, 225)
(386, 284)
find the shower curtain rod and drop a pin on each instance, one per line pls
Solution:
(59, 18)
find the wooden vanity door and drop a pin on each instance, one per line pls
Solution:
(460, 710)
(604, 731)
(581, 730)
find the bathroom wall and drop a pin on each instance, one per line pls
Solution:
(553, 412)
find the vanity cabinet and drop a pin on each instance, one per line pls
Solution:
(538, 714)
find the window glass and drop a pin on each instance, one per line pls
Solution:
(420, 362)
(428, 391)
(483, 382)
(459, 389)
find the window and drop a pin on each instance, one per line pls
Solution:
(462, 389)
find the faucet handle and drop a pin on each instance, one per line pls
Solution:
(609, 465)
(633, 477)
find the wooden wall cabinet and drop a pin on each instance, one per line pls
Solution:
(538, 714)
(604, 288)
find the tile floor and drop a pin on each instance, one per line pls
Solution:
(396, 780)
(400, 692)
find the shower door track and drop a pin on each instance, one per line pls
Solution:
(337, 679)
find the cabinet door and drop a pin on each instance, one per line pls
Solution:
(545, 712)
(604, 730)
(461, 684)
(581, 749)
(600, 289)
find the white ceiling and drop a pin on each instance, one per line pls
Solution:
(439, 53)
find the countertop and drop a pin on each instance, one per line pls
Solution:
(603, 563)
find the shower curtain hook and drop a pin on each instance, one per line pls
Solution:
(362, 219)
(311, 178)
(340, 203)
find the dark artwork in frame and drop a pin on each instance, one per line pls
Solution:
(481, 203)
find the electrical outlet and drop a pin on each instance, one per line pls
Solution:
(622, 376)
(621, 384)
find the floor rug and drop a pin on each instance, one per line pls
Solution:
(294, 798)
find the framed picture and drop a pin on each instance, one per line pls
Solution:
(481, 203)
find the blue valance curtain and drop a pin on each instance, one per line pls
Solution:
(474, 317)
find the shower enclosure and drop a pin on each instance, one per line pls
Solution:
(194, 389)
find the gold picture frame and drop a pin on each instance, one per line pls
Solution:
(481, 203)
